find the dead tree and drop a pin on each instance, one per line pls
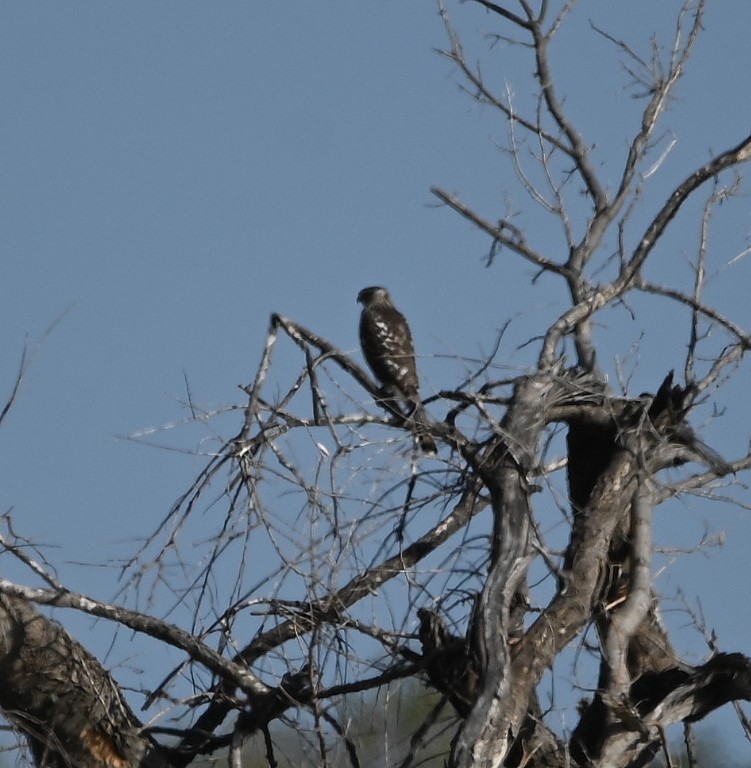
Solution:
(341, 562)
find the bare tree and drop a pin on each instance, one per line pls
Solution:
(342, 561)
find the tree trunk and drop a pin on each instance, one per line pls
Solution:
(60, 697)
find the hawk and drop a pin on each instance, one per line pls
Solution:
(668, 414)
(449, 661)
(386, 343)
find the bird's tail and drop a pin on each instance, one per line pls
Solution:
(711, 458)
(423, 437)
(683, 434)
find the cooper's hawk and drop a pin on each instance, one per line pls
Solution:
(449, 661)
(388, 349)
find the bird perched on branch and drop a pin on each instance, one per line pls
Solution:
(594, 435)
(388, 349)
(450, 662)
(668, 411)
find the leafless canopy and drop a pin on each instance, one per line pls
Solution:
(341, 562)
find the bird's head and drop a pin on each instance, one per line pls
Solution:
(374, 294)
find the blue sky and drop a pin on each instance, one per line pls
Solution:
(171, 173)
